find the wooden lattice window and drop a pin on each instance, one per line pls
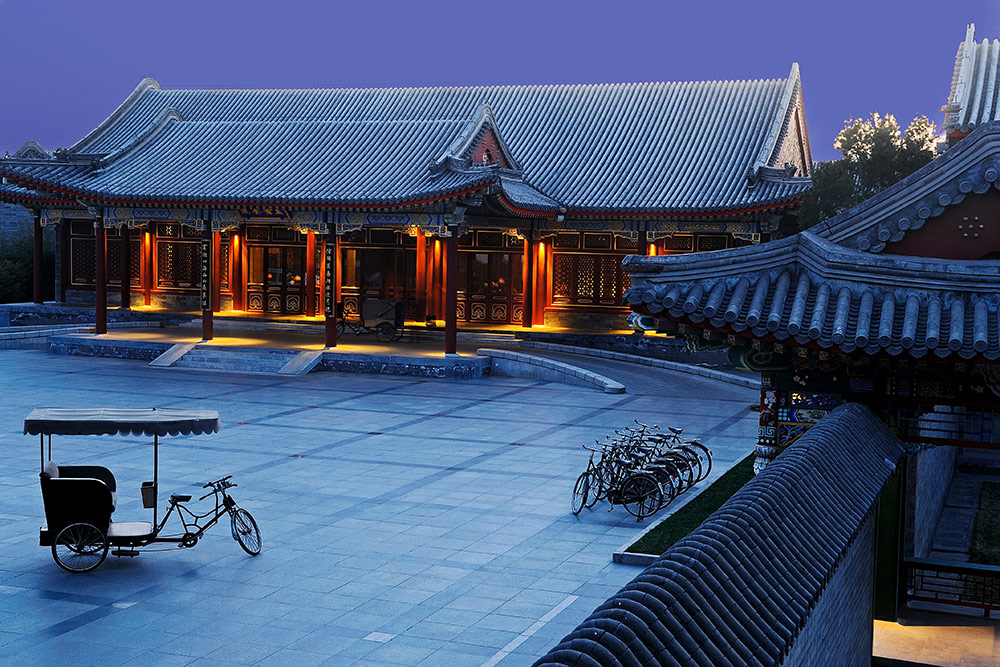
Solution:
(714, 242)
(178, 264)
(82, 261)
(257, 233)
(135, 263)
(224, 266)
(597, 241)
(284, 234)
(587, 280)
(679, 243)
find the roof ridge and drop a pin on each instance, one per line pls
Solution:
(617, 84)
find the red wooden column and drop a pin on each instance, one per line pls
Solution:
(100, 277)
(207, 283)
(321, 276)
(331, 291)
(63, 261)
(236, 274)
(310, 280)
(435, 288)
(421, 280)
(125, 302)
(541, 279)
(528, 281)
(36, 260)
(146, 268)
(450, 270)
(216, 271)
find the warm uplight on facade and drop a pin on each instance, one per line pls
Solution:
(652, 250)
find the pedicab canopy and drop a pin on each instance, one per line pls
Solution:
(124, 421)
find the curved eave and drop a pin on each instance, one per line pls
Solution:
(805, 291)
(308, 202)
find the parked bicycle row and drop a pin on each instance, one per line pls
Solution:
(642, 469)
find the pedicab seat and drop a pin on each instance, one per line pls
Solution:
(76, 494)
(180, 497)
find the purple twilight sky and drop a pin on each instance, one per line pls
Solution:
(66, 64)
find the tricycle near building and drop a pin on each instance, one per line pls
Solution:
(79, 500)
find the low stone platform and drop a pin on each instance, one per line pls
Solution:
(416, 365)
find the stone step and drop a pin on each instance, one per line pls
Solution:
(246, 360)
(242, 353)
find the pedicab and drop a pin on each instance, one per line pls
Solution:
(79, 500)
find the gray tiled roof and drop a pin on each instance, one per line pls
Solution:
(656, 147)
(806, 290)
(972, 166)
(741, 586)
(975, 87)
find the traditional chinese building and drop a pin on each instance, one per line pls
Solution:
(894, 304)
(479, 205)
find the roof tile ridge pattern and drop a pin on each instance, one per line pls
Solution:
(148, 83)
(898, 305)
(568, 155)
(971, 166)
(707, 601)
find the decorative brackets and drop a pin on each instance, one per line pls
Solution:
(627, 229)
(658, 229)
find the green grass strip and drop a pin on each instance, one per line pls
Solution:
(985, 546)
(689, 517)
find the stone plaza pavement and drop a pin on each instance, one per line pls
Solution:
(404, 520)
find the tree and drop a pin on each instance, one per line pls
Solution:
(876, 155)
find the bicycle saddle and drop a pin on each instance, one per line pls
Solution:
(179, 497)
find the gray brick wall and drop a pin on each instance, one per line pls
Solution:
(13, 219)
(839, 632)
(928, 481)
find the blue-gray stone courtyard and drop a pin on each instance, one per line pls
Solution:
(404, 520)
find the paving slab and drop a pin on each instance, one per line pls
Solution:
(429, 514)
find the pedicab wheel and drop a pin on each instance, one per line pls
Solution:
(641, 495)
(245, 532)
(341, 328)
(80, 547)
(581, 491)
(385, 332)
(398, 333)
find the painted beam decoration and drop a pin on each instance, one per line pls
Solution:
(628, 229)
(303, 221)
(430, 223)
(741, 229)
(117, 216)
(53, 216)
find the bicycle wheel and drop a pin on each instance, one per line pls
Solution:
(80, 547)
(598, 489)
(581, 491)
(385, 332)
(704, 456)
(245, 531)
(641, 495)
(341, 328)
(693, 459)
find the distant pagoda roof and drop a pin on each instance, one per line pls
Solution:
(653, 148)
(975, 86)
(809, 292)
